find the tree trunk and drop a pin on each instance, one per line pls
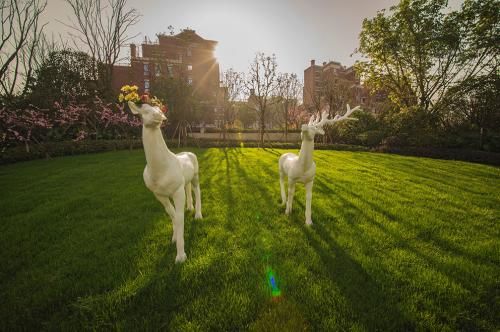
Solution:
(286, 122)
(262, 128)
(224, 116)
(481, 138)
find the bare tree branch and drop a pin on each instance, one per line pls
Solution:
(260, 85)
(102, 27)
(20, 36)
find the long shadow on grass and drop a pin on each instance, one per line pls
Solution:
(409, 244)
(398, 240)
(461, 276)
(154, 265)
(425, 233)
(422, 233)
(219, 264)
(370, 306)
(374, 309)
(405, 166)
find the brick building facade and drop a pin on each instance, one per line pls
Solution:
(319, 80)
(184, 56)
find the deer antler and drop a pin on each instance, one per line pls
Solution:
(326, 121)
(312, 119)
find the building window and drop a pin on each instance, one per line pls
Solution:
(146, 69)
(158, 69)
(146, 85)
(170, 70)
(363, 100)
(190, 80)
(190, 67)
(188, 52)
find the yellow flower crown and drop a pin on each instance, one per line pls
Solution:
(129, 93)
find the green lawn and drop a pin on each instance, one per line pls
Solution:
(398, 243)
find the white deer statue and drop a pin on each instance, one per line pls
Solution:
(302, 168)
(168, 175)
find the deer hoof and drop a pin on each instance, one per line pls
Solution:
(309, 222)
(198, 216)
(190, 208)
(181, 258)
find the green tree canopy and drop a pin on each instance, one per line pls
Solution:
(420, 49)
(64, 76)
(180, 98)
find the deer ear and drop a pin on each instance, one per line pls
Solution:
(134, 108)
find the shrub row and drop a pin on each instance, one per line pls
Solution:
(56, 149)
(475, 156)
(236, 130)
(65, 148)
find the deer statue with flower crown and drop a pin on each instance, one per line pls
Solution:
(169, 176)
(302, 168)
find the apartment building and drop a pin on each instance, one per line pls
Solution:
(320, 82)
(185, 55)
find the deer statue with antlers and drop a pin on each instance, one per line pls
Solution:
(302, 168)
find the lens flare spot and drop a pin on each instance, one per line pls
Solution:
(273, 284)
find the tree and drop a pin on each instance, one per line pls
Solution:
(337, 92)
(181, 101)
(260, 84)
(288, 91)
(297, 116)
(232, 87)
(101, 25)
(64, 76)
(476, 102)
(419, 50)
(21, 41)
(245, 114)
(315, 98)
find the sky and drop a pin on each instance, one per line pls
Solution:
(296, 31)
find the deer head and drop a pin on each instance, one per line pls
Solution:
(317, 122)
(152, 116)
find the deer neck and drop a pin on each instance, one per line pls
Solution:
(158, 156)
(306, 154)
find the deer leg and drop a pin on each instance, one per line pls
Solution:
(282, 187)
(165, 201)
(291, 192)
(197, 197)
(179, 201)
(189, 197)
(309, 194)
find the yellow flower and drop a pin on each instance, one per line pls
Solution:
(121, 98)
(156, 102)
(133, 97)
(125, 88)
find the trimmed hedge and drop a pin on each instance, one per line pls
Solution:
(57, 149)
(65, 148)
(475, 156)
(68, 148)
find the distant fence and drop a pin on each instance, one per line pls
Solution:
(248, 136)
